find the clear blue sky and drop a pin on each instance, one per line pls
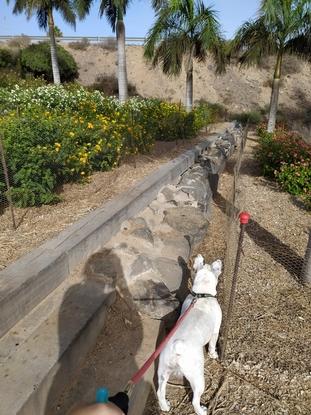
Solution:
(138, 19)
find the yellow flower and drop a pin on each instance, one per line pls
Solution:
(90, 125)
(82, 173)
(58, 145)
(72, 134)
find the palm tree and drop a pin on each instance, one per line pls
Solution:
(282, 26)
(184, 30)
(115, 11)
(44, 11)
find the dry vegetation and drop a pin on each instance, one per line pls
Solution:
(239, 89)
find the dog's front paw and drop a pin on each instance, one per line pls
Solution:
(165, 406)
(213, 355)
(202, 411)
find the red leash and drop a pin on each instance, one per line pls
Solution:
(140, 373)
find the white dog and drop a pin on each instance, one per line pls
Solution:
(184, 352)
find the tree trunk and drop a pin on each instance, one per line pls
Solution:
(189, 86)
(275, 93)
(54, 60)
(122, 74)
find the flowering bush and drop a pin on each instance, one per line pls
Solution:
(53, 135)
(284, 156)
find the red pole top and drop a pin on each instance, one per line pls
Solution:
(244, 218)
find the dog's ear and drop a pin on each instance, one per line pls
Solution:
(217, 267)
(198, 263)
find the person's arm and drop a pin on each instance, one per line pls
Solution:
(98, 409)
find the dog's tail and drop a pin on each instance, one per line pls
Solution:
(179, 347)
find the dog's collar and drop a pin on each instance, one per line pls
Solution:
(201, 295)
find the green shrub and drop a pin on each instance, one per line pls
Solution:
(7, 59)
(108, 84)
(251, 117)
(279, 148)
(10, 78)
(287, 158)
(295, 178)
(207, 113)
(36, 60)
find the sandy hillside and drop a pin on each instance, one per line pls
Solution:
(238, 89)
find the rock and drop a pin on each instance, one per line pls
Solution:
(140, 229)
(174, 245)
(182, 198)
(171, 272)
(144, 233)
(160, 309)
(138, 222)
(153, 298)
(149, 287)
(141, 265)
(189, 221)
(195, 183)
(169, 193)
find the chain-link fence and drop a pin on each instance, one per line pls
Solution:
(264, 295)
(231, 203)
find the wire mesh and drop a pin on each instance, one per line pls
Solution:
(231, 203)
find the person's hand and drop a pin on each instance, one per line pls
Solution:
(98, 409)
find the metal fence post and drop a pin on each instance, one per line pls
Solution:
(306, 270)
(244, 219)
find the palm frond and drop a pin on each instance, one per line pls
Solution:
(108, 9)
(158, 4)
(113, 10)
(23, 6)
(192, 24)
(42, 17)
(170, 54)
(67, 11)
(41, 8)
(253, 41)
(83, 7)
(162, 28)
(300, 46)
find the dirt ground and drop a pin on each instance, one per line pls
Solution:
(38, 224)
(267, 366)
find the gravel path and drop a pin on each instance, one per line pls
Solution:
(267, 368)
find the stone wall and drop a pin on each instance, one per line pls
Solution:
(154, 247)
